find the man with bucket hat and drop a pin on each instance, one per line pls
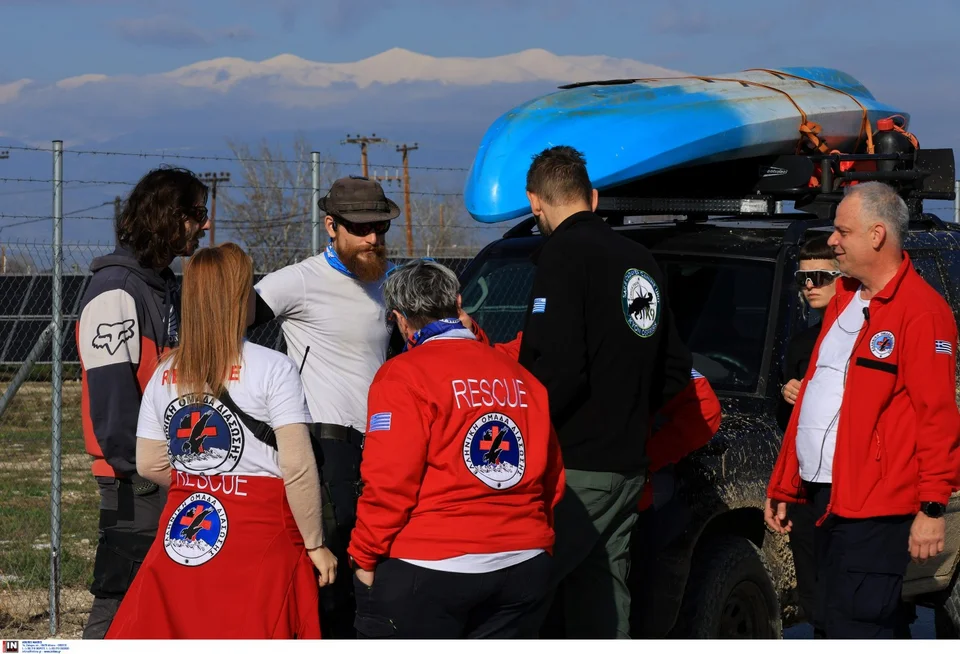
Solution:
(331, 311)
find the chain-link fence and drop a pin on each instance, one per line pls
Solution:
(26, 382)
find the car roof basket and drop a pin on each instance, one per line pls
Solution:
(754, 187)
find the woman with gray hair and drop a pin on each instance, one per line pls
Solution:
(461, 471)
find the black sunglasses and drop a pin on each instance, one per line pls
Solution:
(198, 213)
(379, 227)
(816, 277)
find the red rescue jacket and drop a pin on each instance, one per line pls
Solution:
(460, 457)
(692, 419)
(898, 435)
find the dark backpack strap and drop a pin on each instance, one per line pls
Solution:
(261, 430)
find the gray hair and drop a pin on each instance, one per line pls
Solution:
(879, 201)
(422, 291)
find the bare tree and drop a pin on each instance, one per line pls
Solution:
(441, 226)
(270, 213)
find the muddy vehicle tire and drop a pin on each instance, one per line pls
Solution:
(729, 594)
(947, 616)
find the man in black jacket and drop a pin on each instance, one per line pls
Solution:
(599, 334)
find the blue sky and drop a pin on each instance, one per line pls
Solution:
(869, 39)
(908, 57)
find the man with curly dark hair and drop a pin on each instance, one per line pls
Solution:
(129, 318)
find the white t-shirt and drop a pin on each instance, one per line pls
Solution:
(820, 410)
(344, 322)
(210, 439)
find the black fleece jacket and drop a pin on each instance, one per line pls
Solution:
(599, 333)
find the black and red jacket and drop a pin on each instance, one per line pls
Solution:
(129, 317)
(689, 420)
(898, 435)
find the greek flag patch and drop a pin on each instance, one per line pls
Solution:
(943, 347)
(695, 375)
(539, 305)
(380, 421)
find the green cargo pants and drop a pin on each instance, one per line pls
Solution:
(591, 558)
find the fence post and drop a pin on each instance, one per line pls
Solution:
(956, 201)
(314, 199)
(57, 382)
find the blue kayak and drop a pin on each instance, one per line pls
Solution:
(631, 129)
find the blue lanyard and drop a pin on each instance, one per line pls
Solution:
(434, 329)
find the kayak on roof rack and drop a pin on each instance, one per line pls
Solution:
(631, 129)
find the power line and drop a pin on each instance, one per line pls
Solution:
(34, 180)
(364, 141)
(165, 155)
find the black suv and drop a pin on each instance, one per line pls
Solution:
(704, 563)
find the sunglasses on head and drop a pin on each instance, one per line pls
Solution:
(816, 277)
(379, 227)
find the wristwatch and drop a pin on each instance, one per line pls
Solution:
(933, 509)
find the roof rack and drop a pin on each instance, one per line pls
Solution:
(754, 186)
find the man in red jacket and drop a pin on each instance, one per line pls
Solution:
(874, 438)
(461, 471)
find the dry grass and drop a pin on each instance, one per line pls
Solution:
(25, 510)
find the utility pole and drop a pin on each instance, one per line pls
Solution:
(364, 141)
(213, 179)
(116, 208)
(406, 193)
(386, 178)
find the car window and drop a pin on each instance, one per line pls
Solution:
(721, 307)
(497, 296)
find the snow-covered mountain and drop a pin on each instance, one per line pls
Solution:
(398, 65)
(391, 67)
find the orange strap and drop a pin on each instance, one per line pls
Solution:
(810, 130)
(865, 123)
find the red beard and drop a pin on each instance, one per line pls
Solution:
(368, 263)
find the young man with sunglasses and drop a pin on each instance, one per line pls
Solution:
(331, 311)
(129, 318)
(816, 279)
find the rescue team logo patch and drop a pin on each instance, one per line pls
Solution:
(203, 437)
(493, 451)
(196, 530)
(641, 302)
(881, 345)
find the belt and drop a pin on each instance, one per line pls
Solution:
(325, 430)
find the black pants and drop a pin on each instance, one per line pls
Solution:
(860, 565)
(128, 526)
(339, 464)
(408, 601)
(803, 546)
